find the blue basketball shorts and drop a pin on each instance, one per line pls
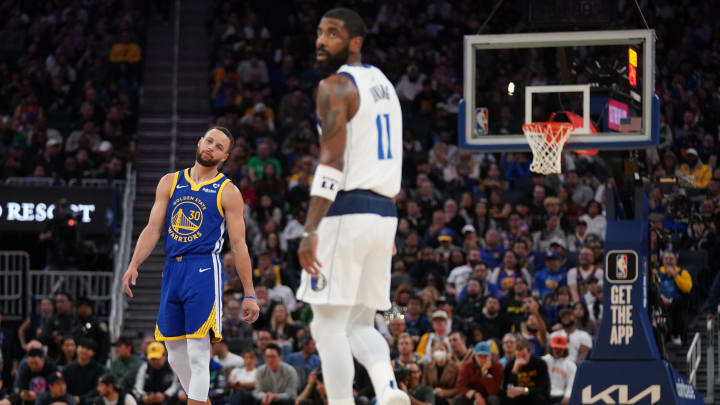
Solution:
(191, 298)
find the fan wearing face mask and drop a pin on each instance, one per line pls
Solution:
(438, 334)
(441, 374)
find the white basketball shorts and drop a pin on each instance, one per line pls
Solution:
(355, 243)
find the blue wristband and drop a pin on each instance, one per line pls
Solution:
(250, 296)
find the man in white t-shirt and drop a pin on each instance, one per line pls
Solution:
(459, 275)
(579, 341)
(561, 370)
(224, 356)
(578, 277)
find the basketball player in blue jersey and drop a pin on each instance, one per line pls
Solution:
(193, 207)
(346, 249)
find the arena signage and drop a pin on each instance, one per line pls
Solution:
(606, 395)
(621, 271)
(26, 209)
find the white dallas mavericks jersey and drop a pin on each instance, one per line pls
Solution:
(373, 152)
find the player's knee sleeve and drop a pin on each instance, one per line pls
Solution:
(370, 348)
(199, 355)
(178, 358)
(328, 328)
(367, 344)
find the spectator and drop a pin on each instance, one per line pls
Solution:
(694, 171)
(277, 381)
(406, 354)
(125, 51)
(458, 346)
(579, 341)
(256, 165)
(282, 325)
(276, 284)
(458, 277)
(31, 328)
(307, 358)
(551, 277)
(480, 378)
(314, 392)
(595, 219)
(512, 303)
(125, 366)
(57, 391)
(533, 328)
(244, 378)
(581, 315)
(504, 276)
(396, 327)
(579, 192)
(416, 322)
(68, 352)
(578, 277)
(493, 251)
(87, 138)
(409, 382)
(438, 334)
(294, 107)
(577, 240)
(410, 84)
(228, 360)
(32, 376)
(155, 382)
(87, 326)
(264, 338)
(441, 374)
(491, 320)
(82, 374)
(509, 345)
(470, 307)
(526, 380)
(110, 393)
(562, 371)
(675, 283)
(552, 231)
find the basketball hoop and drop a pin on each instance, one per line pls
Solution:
(546, 140)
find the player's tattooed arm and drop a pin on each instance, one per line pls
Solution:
(337, 103)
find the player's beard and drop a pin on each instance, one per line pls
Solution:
(205, 162)
(333, 61)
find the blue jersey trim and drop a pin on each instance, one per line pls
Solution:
(362, 202)
(349, 76)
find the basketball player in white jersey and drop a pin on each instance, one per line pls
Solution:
(346, 249)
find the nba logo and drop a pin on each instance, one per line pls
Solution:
(621, 270)
(481, 121)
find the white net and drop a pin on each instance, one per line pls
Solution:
(546, 140)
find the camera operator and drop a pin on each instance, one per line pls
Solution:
(64, 245)
(61, 237)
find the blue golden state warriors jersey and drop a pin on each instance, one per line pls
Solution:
(195, 222)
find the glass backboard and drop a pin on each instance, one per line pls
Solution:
(600, 81)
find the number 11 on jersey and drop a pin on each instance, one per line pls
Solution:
(379, 122)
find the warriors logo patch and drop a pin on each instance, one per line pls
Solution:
(186, 220)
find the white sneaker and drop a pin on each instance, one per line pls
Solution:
(394, 396)
(676, 341)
